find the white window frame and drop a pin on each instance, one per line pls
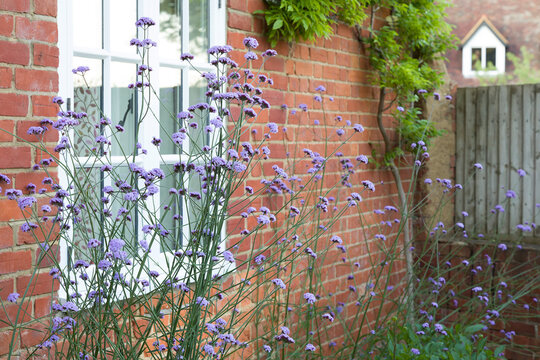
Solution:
(483, 38)
(148, 8)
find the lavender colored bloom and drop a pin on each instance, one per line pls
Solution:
(340, 132)
(239, 167)
(358, 128)
(310, 347)
(145, 22)
(104, 264)
(521, 172)
(415, 351)
(13, 297)
(80, 69)
(362, 158)
(25, 202)
(269, 52)
(250, 55)
(273, 127)
(263, 219)
(209, 349)
(502, 247)
(201, 301)
(267, 348)
(279, 283)
(227, 255)
(400, 109)
(511, 194)
(368, 185)
(251, 43)
(478, 166)
(310, 298)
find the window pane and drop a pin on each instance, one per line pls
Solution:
(476, 59)
(124, 212)
(123, 107)
(171, 210)
(169, 92)
(87, 191)
(170, 44)
(88, 99)
(123, 17)
(197, 91)
(88, 23)
(491, 58)
(198, 28)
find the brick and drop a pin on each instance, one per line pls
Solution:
(11, 262)
(237, 5)
(36, 80)
(50, 135)
(45, 55)
(6, 288)
(6, 25)
(45, 7)
(15, 5)
(6, 238)
(254, 5)
(7, 128)
(15, 157)
(14, 53)
(42, 307)
(41, 284)
(240, 21)
(43, 106)
(6, 76)
(36, 30)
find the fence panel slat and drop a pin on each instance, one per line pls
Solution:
(498, 127)
(481, 157)
(460, 145)
(527, 194)
(492, 186)
(470, 155)
(516, 153)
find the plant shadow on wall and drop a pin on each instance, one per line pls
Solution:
(254, 288)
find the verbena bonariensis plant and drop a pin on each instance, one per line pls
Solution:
(256, 287)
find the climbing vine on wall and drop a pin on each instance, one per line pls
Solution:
(401, 52)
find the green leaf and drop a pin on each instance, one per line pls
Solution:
(278, 24)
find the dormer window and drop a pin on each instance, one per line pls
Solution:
(483, 50)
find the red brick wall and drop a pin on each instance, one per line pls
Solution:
(341, 65)
(28, 81)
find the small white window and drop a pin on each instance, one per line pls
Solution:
(97, 34)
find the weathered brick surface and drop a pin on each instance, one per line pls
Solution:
(28, 79)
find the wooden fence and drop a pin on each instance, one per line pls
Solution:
(498, 127)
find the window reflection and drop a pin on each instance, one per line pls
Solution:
(198, 28)
(87, 14)
(88, 98)
(124, 13)
(170, 44)
(169, 92)
(123, 107)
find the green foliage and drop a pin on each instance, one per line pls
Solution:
(402, 51)
(293, 20)
(523, 73)
(412, 127)
(455, 343)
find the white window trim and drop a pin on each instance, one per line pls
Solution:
(150, 8)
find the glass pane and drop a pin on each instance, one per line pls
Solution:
(491, 58)
(87, 191)
(198, 28)
(171, 210)
(169, 92)
(170, 44)
(476, 59)
(87, 15)
(88, 99)
(123, 107)
(124, 212)
(197, 91)
(123, 15)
